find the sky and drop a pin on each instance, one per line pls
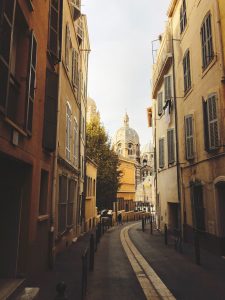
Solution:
(121, 34)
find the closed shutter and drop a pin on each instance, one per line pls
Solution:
(31, 82)
(75, 73)
(161, 153)
(71, 196)
(50, 113)
(167, 88)
(189, 136)
(212, 122)
(54, 28)
(170, 144)
(160, 104)
(198, 211)
(67, 46)
(7, 16)
(62, 205)
(205, 120)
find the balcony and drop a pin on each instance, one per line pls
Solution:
(76, 9)
(79, 31)
(163, 61)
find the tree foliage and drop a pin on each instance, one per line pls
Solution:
(98, 149)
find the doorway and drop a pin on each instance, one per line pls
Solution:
(220, 187)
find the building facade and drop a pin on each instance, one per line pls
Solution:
(198, 76)
(28, 91)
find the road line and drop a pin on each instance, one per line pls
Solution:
(152, 285)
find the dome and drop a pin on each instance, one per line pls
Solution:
(147, 148)
(91, 109)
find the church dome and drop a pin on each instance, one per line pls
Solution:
(126, 140)
(147, 148)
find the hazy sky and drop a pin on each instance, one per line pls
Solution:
(121, 32)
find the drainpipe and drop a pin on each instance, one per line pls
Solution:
(177, 139)
(220, 42)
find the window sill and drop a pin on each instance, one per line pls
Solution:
(15, 126)
(42, 218)
(210, 65)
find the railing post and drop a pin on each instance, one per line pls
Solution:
(61, 289)
(165, 234)
(92, 252)
(151, 225)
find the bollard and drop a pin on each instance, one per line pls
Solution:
(197, 247)
(165, 234)
(151, 225)
(92, 252)
(84, 273)
(127, 218)
(96, 239)
(143, 225)
(61, 289)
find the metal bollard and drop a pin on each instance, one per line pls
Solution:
(151, 230)
(92, 252)
(143, 225)
(61, 289)
(197, 248)
(165, 234)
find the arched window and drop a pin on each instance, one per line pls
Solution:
(130, 149)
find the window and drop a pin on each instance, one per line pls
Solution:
(161, 153)
(167, 88)
(207, 41)
(170, 144)
(183, 16)
(67, 195)
(75, 72)
(53, 43)
(160, 104)
(198, 213)
(76, 143)
(211, 123)
(119, 149)
(94, 187)
(189, 137)
(31, 82)
(187, 72)
(67, 47)
(43, 197)
(68, 130)
(130, 149)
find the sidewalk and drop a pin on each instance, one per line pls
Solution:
(185, 279)
(68, 268)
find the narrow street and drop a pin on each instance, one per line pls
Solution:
(114, 278)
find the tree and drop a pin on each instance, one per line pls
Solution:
(108, 178)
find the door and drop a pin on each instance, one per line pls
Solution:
(221, 205)
(10, 204)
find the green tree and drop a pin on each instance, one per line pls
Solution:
(108, 178)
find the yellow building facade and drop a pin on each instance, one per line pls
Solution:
(90, 203)
(197, 55)
(126, 192)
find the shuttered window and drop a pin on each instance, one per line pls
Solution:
(68, 130)
(161, 153)
(31, 82)
(67, 47)
(160, 104)
(207, 41)
(75, 70)
(183, 16)
(76, 143)
(53, 43)
(50, 114)
(167, 88)
(198, 211)
(7, 17)
(62, 204)
(187, 72)
(170, 144)
(70, 201)
(189, 136)
(211, 123)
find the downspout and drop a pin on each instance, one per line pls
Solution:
(177, 140)
(220, 42)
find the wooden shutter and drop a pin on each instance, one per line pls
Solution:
(62, 206)
(31, 82)
(7, 16)
(189, 136)
(205, 120)
(50, 113)
(212, 122)
(161, 153)
(167, 88)
(198, 211)
(70, 204)
(170, 144)
(67, 46)
(54, 28)
(160, 104)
